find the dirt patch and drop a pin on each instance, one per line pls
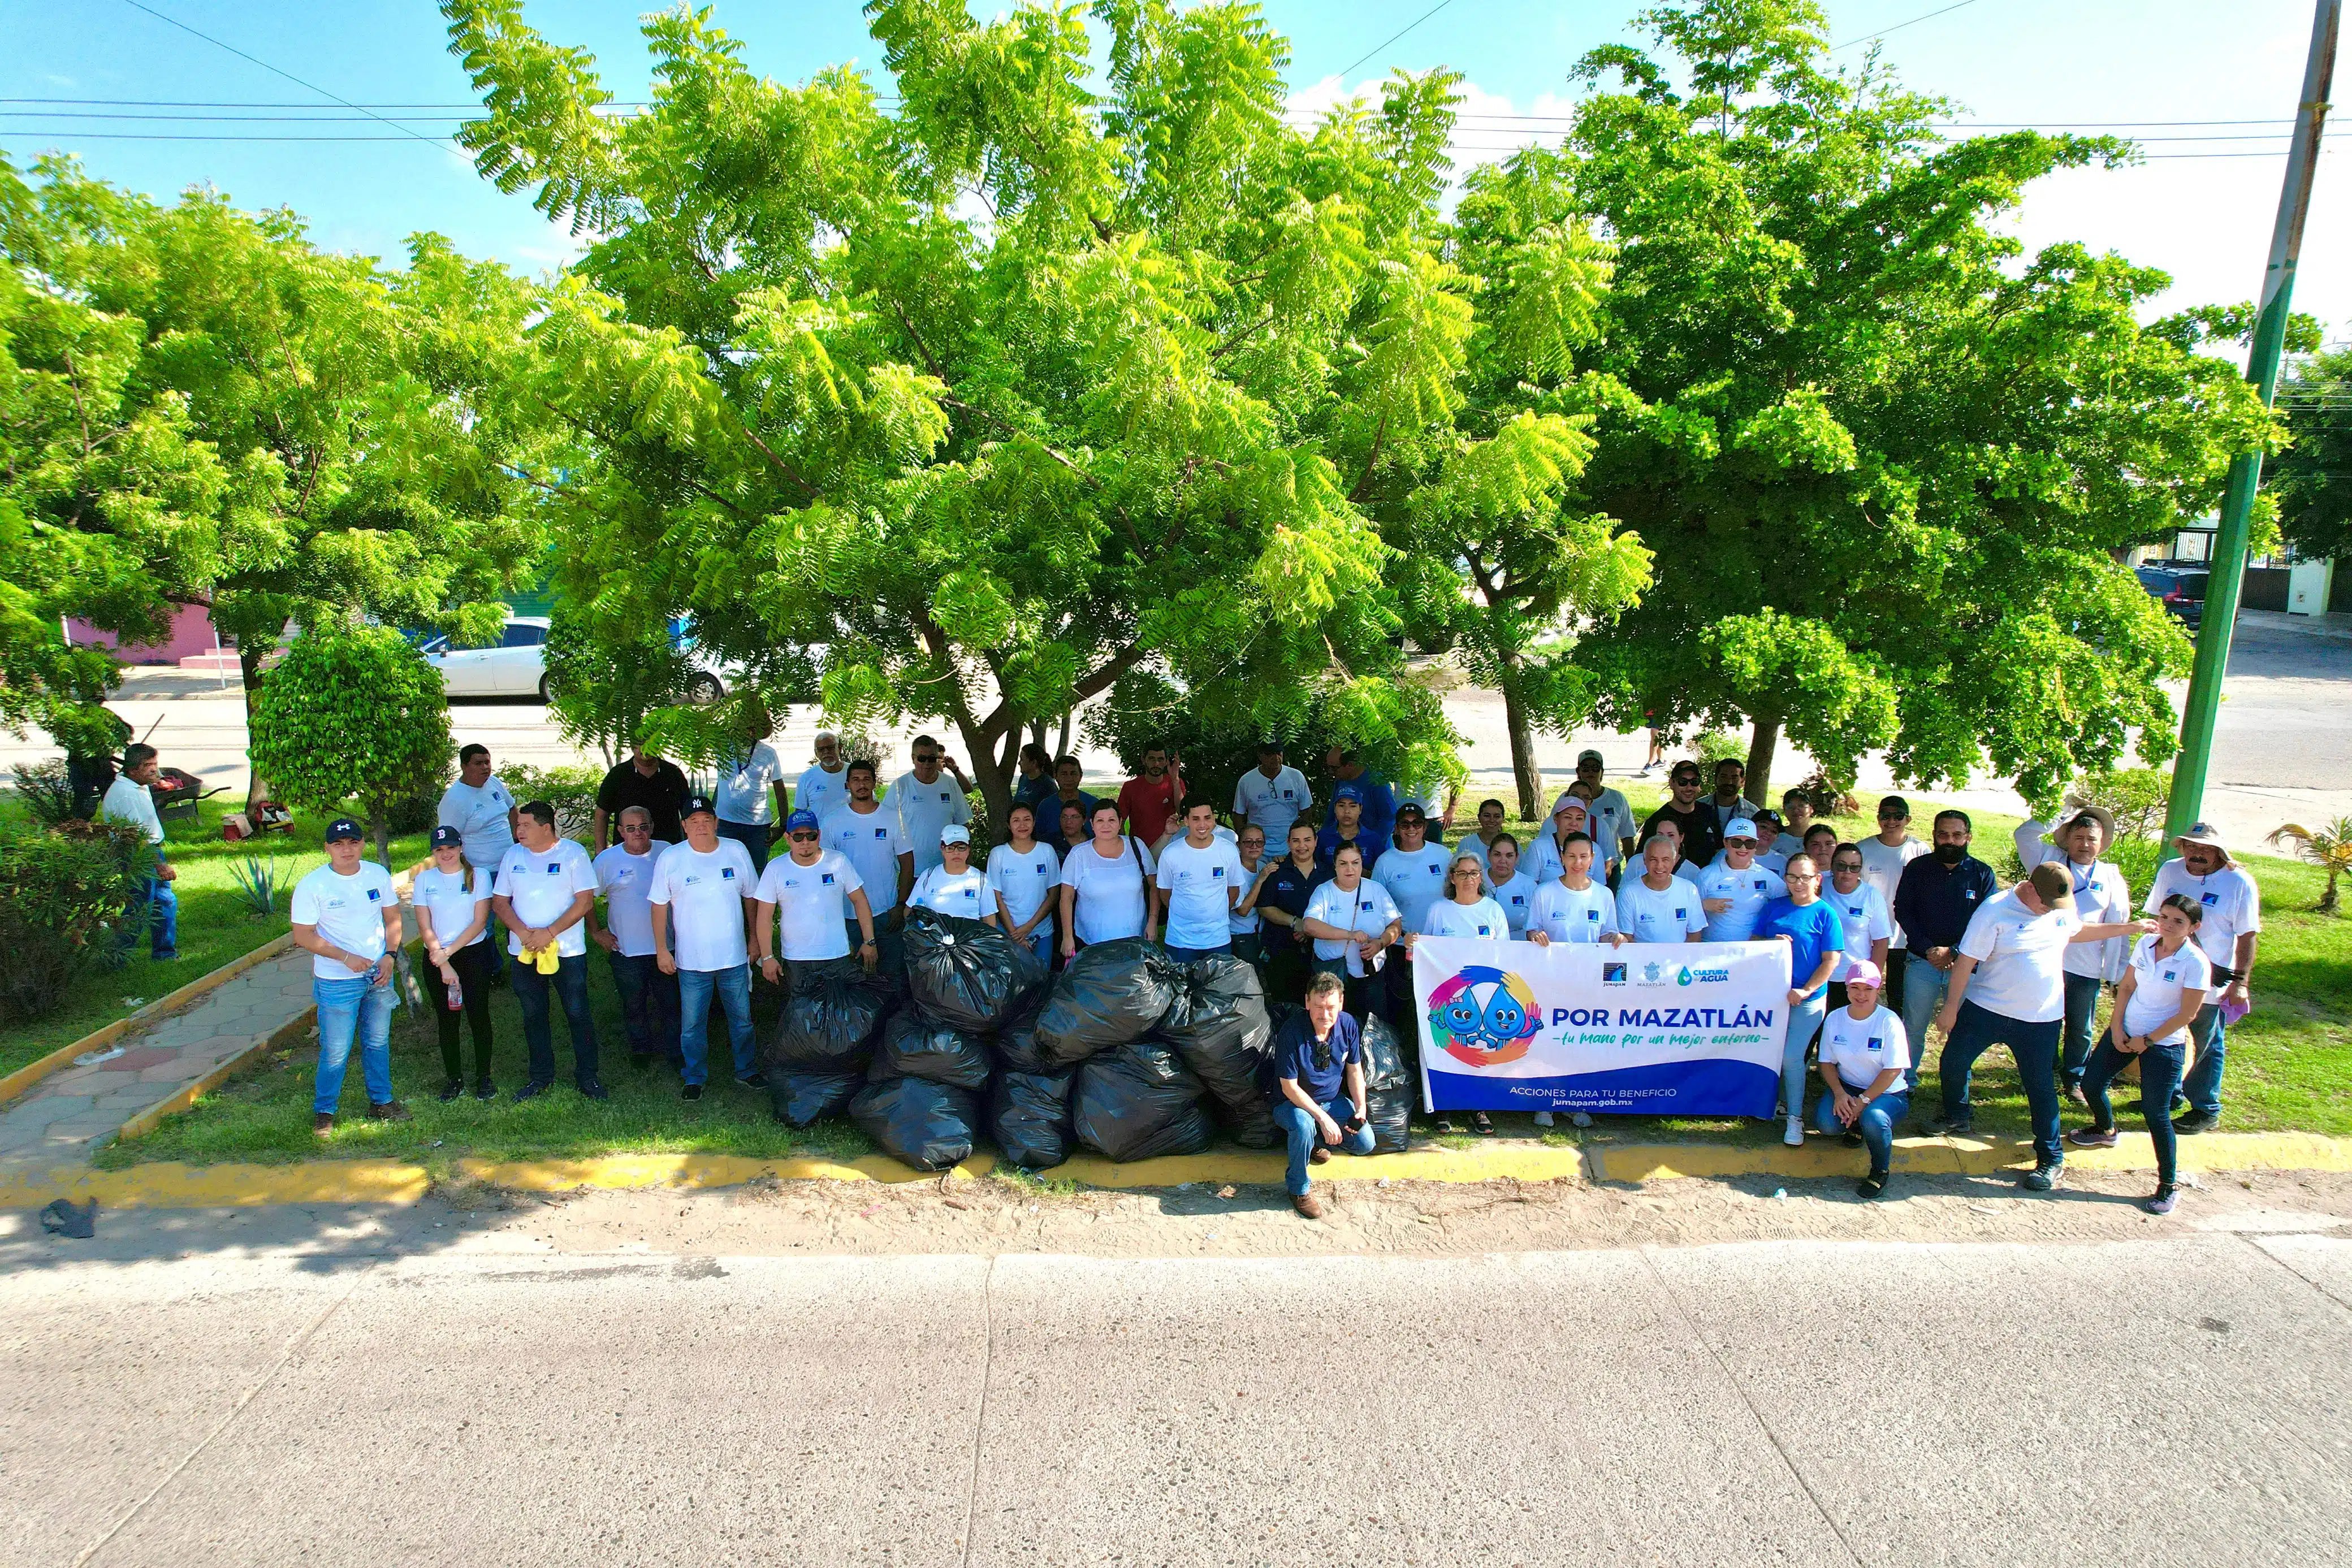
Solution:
(1404, 1218)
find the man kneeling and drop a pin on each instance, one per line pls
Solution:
(1318, 1059)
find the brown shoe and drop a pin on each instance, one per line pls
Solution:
(321, 1122)
(1307, 1203)
(390, 1111)
(1321, 1155)
(2074, 1093)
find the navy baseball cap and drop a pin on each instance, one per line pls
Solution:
(443, 838)
(1348, 792)
(343, 827)
(799, 819)
(699, 804)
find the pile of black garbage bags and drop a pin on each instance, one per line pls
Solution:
(1125, 1052)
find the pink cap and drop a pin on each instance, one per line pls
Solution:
(1862, 972)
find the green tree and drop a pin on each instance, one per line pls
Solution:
(2312, 479)
(199, 407)
(1887, 465)
(979, 404)
(352, 713)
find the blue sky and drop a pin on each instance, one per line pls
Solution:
(2102, 64)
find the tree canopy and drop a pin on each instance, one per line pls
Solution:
(2312, 481)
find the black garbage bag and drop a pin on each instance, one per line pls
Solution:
(1140, 1100)
(1390, 1090)
(1110, 994)
(966, 972)
(1017, 1050)
(828, 1027)
(802, 1094)
(925, 1125)
(1219, 1026)
(917, 1046)
(1029, 1113)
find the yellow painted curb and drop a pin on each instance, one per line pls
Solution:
(32, 1072)
(627, 1171)
(140, 1124)
(1966, 1157)
(169, 1186)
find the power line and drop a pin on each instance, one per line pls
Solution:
(1900, 25)
(1408, 27)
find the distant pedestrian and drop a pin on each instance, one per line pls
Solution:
(1318, 1065)
(2164, 988)
(452, 901)
(2231, 937)
(131, 799)
(347, 917)
(649, 1004)
(545, 892)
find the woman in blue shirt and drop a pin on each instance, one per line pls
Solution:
(1809, 924)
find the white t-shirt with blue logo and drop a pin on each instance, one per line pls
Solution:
(2228, 897)
(1272, 803)
(1750, 890)
(625, 879)
(2156, 985)
(1368, 909)
(348, 912)
(923, 810)
(812, 911)
(1026, 879)
(1865, 1047)
(1481, 921)
(1200, 885)
(966, 894)
(540, 885)
(1415, 878)
(445, 896)
(819, 791)
(873, 842)
(1517, 899)
(1865, 918)
(1648, 915)
(1566, 913)
(705, 891)
(747, 783)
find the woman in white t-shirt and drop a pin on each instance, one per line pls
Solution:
(1353, 922)
(2165, 985)
(452, 902)
(1507, 884)
(1104, 887)
(1865, 1061)
(953, 886)
(1466, 912)
(1023, 875)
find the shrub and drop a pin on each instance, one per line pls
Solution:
(63, 899)
(47, 790)
(351, 713)
(571, 790)
(1715, 746)
(2138, 797)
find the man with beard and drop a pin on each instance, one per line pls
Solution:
(1146, 800)
(1941, 892)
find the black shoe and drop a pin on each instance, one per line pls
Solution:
(486, 1090)
(1871, 1185)
(451, 1090)
(595, 1091)
(641, 1059)
(2196, 1122)
(1853, 1139)
(757, 1080)
(532, 1090)
(690, 1092)
(2041, 1178)
(1963, 1125)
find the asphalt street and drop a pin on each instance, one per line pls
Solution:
(195, 1390)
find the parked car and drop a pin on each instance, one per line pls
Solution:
(2180, 590)
(516, 665)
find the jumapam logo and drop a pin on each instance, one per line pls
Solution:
(1482, 1017)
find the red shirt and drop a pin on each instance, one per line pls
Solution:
(1145, 803)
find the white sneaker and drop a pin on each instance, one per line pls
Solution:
(1578, 1118)
(1794, 1133)
(1543, 1118)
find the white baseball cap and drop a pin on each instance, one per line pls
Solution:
(1740, 827)
(954, 834)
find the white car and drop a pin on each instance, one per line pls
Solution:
(516, 665)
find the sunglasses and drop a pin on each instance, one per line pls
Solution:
(804, 838)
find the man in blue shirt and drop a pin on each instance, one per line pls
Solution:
(1318, 1103)
(1378, 801)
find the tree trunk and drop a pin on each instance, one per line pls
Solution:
(993, 773)
(1524, 772)
(380, 826)
(1764, 739)
(1063, 749)
(248, 671)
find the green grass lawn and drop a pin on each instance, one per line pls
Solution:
(2289, 1064)
(215, 925)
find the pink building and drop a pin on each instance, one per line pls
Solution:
(191, 635)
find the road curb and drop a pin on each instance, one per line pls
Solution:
(163, 1184)
(98, 1039)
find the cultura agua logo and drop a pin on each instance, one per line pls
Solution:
(1482, 1016)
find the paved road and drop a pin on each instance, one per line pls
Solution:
(306, 1388)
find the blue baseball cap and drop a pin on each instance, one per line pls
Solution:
(343, 827)
(1348, 792)
(801, 819)
(443, 838)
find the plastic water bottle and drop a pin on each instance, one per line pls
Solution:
(457, 993)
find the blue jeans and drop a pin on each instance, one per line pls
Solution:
(1187, 955)
(1804, 1023)
(694, 991)
(2160, 1073)
(648, 1006)
(753, 836)
(1876, 1124)
(2082, 1016)
(1041, 942)
(155, 908)
(2035, 1047)
(1924, 986)
(2201, 1084)
(1299, 1128)
(360, 1007)
(569, 988)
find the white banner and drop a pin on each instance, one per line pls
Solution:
(1647, 1029)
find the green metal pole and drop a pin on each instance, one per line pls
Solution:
(2229, 559)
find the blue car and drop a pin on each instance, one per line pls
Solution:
(2179, 589)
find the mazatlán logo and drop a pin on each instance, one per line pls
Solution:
(1482, 1016)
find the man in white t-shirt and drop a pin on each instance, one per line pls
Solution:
(1199, 878)
(1734, 894)
(347, 917)
(703, 896)
(2230, 937)
(925, 801)
(1273, 795)
(1414, 873)
(869, 833)
(825, 783)
(625, 875)
(543, 892)
(751, 797)
(131, 799)
(480, 808)
(1658, 905)
(2100, 894)
(1610, 817)
(808, 901)
(2008, 988)
(1883, 856)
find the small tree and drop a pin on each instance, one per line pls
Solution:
(353, 713)
(2328, 848)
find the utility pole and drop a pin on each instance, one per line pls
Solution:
(2229, 563)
